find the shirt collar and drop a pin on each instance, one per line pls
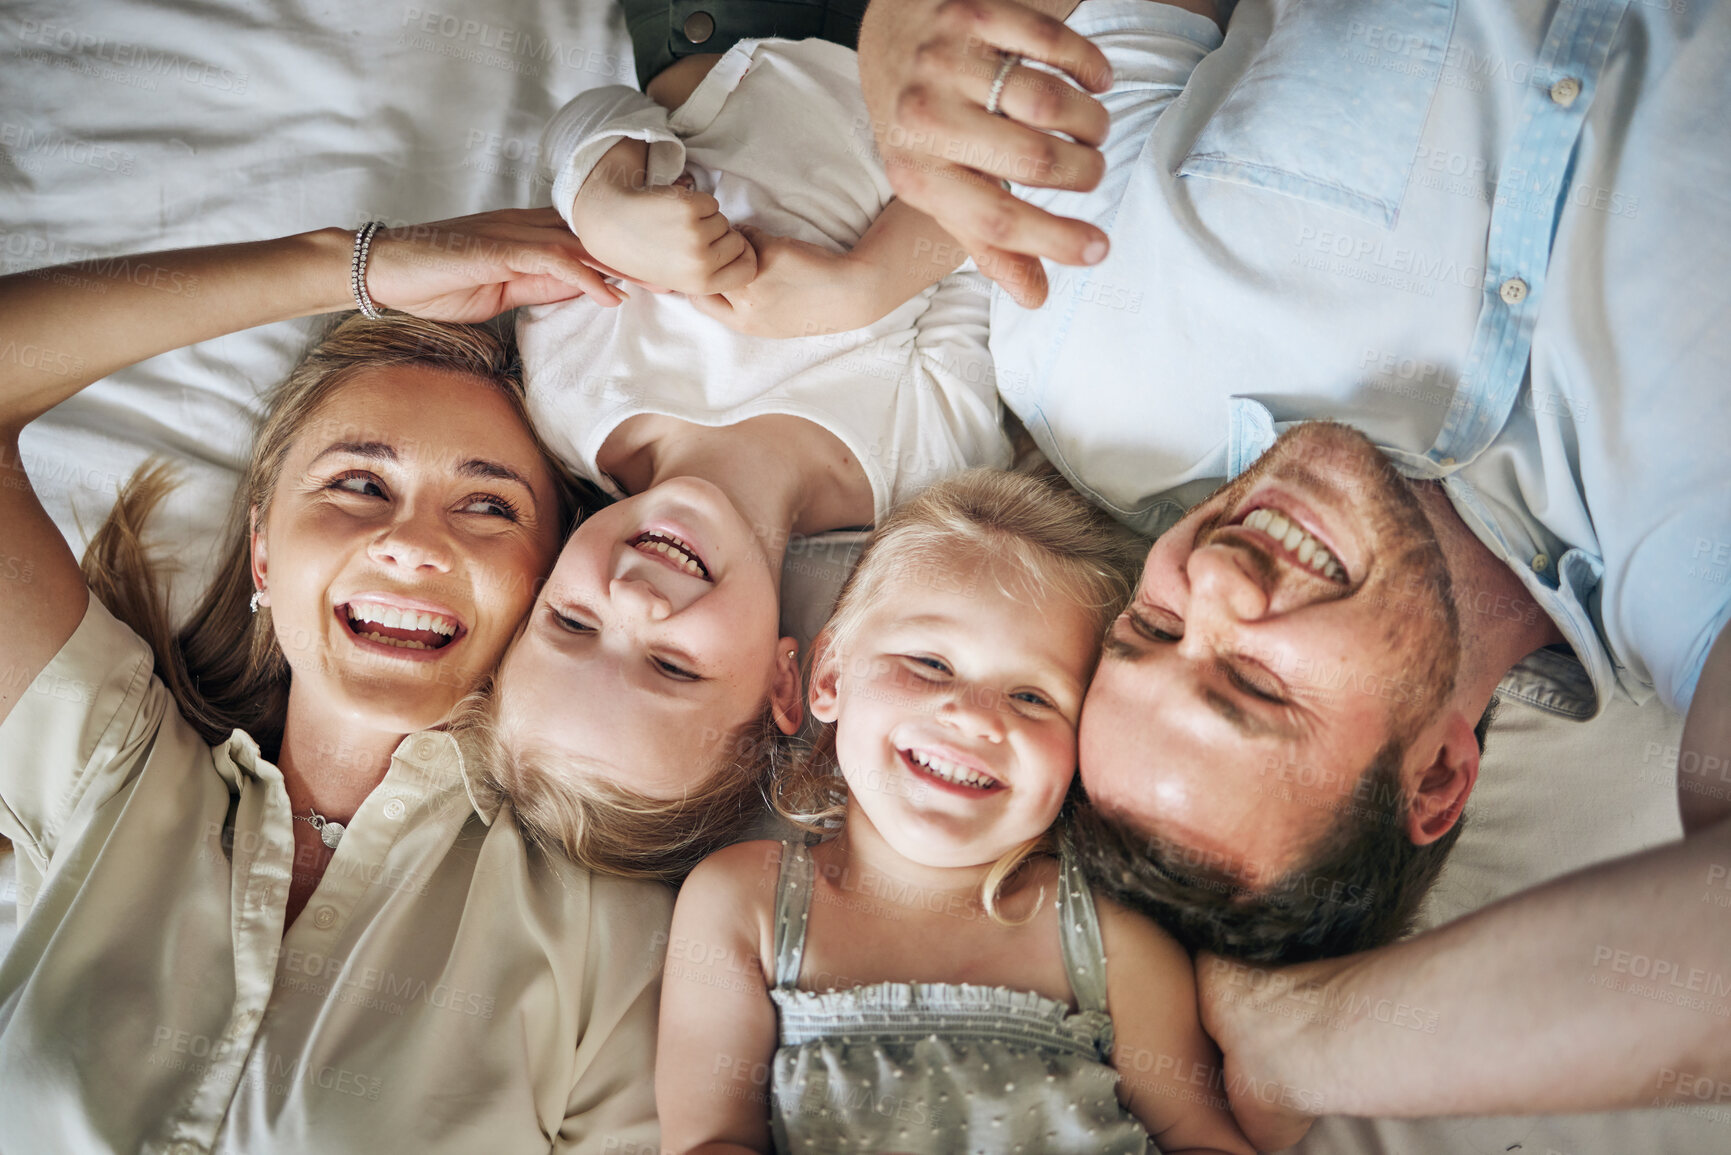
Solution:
(436, 756)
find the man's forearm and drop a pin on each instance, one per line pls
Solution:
(1608, 988)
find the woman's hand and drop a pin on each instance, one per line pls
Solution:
(927, 69)
(474, 268)
(800, 290)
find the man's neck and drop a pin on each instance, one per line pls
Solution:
(1500, 621)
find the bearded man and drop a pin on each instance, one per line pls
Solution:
(1439, 287)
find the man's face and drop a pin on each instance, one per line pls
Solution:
(1286, 630)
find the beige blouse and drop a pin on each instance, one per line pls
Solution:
(447, 988)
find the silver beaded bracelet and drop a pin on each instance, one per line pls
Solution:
(358, 270)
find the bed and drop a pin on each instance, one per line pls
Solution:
(132, 124)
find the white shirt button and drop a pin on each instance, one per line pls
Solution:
(323, 917)
(1513, 291)
(1565, 90)
(425, 745)
(1541, 562)
(394, 809)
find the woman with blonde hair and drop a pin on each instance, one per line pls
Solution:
(268, 903)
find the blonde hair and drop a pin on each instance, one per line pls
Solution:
(224, 667)
(605, 827)
(1034, 536)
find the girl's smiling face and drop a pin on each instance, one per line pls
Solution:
(956, 706)
(654, 642)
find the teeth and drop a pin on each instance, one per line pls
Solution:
(400, 643)
(673, 549)
(394, 619)
(1292, 537)
(949, 771)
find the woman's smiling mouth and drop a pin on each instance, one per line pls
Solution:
(410, 630)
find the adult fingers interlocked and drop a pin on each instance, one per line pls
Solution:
(927, 69)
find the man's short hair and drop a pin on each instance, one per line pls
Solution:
(1360, 888)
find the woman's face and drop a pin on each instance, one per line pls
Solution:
(655, 640)
(404, 542)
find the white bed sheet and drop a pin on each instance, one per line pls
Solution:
(129, 125)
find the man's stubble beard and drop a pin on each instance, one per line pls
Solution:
(1409, 583)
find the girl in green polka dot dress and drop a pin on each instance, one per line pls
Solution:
(932, 977)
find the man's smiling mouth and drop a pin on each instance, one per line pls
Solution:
(1300, 546)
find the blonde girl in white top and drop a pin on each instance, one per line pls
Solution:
(268, 901)
(640, 707)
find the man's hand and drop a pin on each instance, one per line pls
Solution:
(668, 236)
(1243, 1011)
(927, 68)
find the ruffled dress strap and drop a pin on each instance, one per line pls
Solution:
(792, 906)
(1079, 933)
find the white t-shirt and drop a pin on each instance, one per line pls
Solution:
(779, 134)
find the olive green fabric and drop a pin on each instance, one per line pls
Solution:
(659, 27)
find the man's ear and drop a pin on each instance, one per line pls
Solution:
(787, 695)
(255, 546)
(825, 680)
(1444, 780)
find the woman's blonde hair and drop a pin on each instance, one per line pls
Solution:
(607, 828)
(1033, 535)
(224, 666)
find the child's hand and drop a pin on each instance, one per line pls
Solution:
(664, 236)
(800, 290)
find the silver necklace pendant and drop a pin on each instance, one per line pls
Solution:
(330, 833)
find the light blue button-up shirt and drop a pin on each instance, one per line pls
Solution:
(1494, 235)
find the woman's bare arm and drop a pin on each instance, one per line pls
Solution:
(64, 327)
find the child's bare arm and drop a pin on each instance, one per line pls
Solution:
(718, 1029)
(668, 236)
(802, 289)
(1169, 1070)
